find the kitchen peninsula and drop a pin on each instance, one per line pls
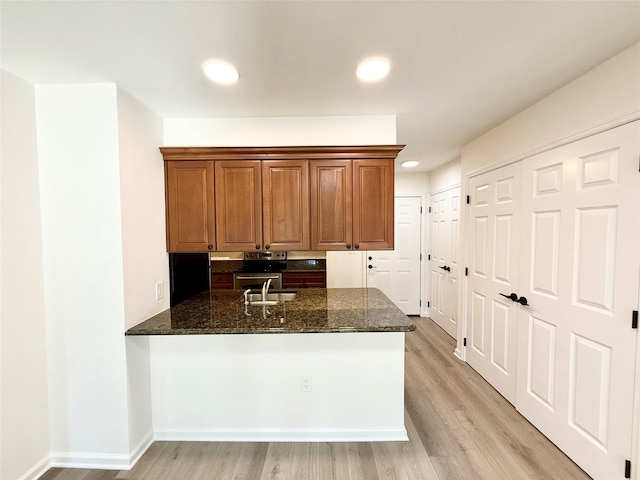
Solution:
(326, 366)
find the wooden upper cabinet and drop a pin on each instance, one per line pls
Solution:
(238, 206)
(373, 204)
(331, 205)
(190, 217)
(280, 198)
(285, 204)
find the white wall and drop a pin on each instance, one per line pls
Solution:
(446, 176)
(24, 425)
(144, 257)
(603, 95)
(83, 273)
(417, 183)
(247, 387)
(280, 131)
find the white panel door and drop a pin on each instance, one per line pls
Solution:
(397, 272)
(444, 265)
(494, 231)
(580, 263)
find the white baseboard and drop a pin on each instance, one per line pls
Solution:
(102, 461)
(39, 469)
(281, 435)
(139, 449)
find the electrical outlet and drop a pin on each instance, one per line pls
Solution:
(159, 290)
(305, 383)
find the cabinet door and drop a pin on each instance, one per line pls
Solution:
(331, 204)
(285, 204)
(373, 204)
(238, 205)
(304, 280)
(189, 195)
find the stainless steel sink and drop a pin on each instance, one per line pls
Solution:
(256, 298)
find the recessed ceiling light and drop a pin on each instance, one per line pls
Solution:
(220, 71)
(409, 164)
(372, 69)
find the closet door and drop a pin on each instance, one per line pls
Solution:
(494, 249)
(580, 275)
(444, 265)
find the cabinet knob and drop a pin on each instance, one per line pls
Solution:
(348, 246)
(210, 247)
(370, 258)
(266, 247)
(257, 247)
(356, 246)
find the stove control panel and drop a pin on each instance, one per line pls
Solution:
(265, 256)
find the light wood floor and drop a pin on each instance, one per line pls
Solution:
(459, 428)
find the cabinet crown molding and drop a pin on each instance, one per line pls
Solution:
(350, 152)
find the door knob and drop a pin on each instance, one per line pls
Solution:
(513, 297)
(445, 268)
(371, 266)
(370, 258)
(523, 301)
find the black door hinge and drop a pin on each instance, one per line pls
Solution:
(429, 257)
(428, 304)
(464, 342)
(420, 302)
(429, 209)
(466, 271)
(420, 210)
(627, 469)
(634, 319)
(468, 199)
(420, 257)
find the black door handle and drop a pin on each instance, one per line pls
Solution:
(513, 297)
(523, 301)
(370, 266)
(445, 268)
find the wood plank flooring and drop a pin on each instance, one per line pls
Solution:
(459, 428)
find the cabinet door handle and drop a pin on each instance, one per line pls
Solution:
(348, 246)
(371, 266)
(266, 247)
(356, 246)
(257, 247)
(210, 247)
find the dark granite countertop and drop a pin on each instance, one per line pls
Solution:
(314, 310)
(290, 266)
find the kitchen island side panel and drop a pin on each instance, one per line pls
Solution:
(248, 387)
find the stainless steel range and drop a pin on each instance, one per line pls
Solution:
(258, 267)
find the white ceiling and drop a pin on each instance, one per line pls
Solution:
(458, 68)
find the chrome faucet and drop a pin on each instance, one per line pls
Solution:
(265, 289)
